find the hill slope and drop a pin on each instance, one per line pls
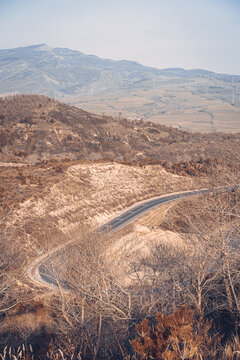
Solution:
(37, 127)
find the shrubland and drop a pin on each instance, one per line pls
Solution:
(35, 128)
(171, 300)
(97, 316)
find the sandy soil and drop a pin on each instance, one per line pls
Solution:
(87, 196)
(139, 240)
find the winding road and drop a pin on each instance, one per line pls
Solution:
(39, 271)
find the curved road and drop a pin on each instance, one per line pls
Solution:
(40, 273)
(137, 211)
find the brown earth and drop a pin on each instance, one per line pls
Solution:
(45, 203)
(43, 206)
(35, 128)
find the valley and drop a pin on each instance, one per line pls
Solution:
(192, 100)
(189, 105)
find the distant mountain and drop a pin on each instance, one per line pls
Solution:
(195, 100)
(58, 72)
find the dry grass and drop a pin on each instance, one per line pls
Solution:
(170, 106)
(35, 128)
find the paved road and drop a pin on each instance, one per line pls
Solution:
(45, 275)
(139, 210)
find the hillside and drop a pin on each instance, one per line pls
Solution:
(63, 173)
(35, 128)
(196, 100)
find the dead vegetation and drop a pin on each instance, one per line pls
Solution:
(47, 204)
(202, 273)
(35, 128)
(96, 318)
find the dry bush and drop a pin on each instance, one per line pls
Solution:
(172, 338)
(99, 313)
(96, 310)
(181, 336)
(232, 349)
(27, 123)
(10, 293)
(203, 272)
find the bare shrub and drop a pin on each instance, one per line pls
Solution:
(172, 337)
(96, 309)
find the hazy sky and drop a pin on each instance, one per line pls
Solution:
(160, 33)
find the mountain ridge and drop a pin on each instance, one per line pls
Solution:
(192, 100)
(45, 47)
(58, 72)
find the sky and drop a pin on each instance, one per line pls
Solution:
(160, 33)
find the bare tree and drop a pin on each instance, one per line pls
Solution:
(10, 293)
(203, 273)
(91, 302)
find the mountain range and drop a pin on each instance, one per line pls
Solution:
(58, 72)
(188, 99)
